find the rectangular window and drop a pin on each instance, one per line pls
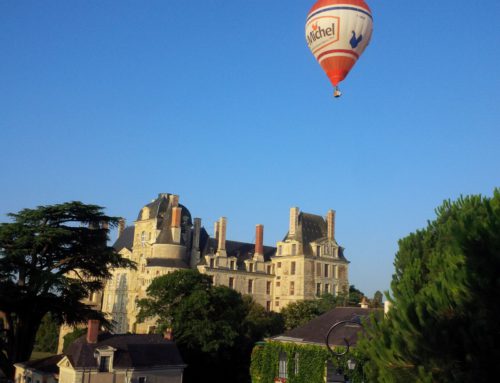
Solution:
(327, 288)
(279, 250)
(269, 269)
(104, 364)
(232, 265)
(250, 267)
(231, 282)
(318, 251)
(277, 304)
(282, 370)
(294, 249)
(318, 269)
(318, 289)
(268, 305)
(212, 263)
(326, 271)
(279, 265)
(292, 288)
(250, 286)
(292, 268)
(278, 284)
(268, 287)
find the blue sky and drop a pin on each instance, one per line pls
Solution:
(221, 102)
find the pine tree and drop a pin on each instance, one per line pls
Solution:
(444, 322)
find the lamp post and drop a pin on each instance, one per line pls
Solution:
(339, 375)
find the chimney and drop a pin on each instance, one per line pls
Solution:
(176, 224)
(221, 248)
(294, 221)
(195, 246)
(216, 230)
(330, 222)
(196, 234)
(259, 241)
(168, 334)
(364, 303)
(174, 200)
(387, 306)
(121, 227)
(92, 331)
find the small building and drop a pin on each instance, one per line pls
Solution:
(108, 358)
(302, 353)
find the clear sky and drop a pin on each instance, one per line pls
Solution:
(221, 102)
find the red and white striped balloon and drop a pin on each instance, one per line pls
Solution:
(337, 33)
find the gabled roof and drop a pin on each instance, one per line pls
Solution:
(315, 331)
(132, 351)
(45, 365)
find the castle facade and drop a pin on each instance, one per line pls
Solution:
(305, 264)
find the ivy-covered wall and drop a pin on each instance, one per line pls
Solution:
(311, 359)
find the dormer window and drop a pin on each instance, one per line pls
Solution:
(104, 364)
(104, 358)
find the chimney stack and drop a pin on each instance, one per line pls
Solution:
(259, 240)
(222, 236)
(174, 200)
(176, 224)
(216, 230)
(330, 221)
(121, 227)
(294, 221)
(168, 334)
(197, 233)
(92, 331)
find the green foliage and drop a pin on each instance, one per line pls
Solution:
(47, 335)
(444, 323)
(214, 327)
(311, 359)
(72, 336)
(51, 258)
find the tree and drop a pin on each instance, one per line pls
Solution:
(51, 258)
(377, 300)
(47, 335)
(444, 322)
(215, 328)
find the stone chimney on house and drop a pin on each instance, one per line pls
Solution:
(364, 303)
(294, 222)
(195, 249)
(174, 200)
(221, 246)
(176, 224)
(121, 227)
(259, 243)
(330, 223)
(168, 334)
(93, 331)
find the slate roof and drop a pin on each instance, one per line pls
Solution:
(45, 365)
(132, 351)
(166, 262)
(126, 240)
(241, 250)
(315, 331)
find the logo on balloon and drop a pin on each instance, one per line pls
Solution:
(322, 31)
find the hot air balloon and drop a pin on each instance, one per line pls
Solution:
(337, 33)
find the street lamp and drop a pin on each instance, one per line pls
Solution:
(351, 363)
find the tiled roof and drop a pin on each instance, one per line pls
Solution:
(45, 365)
(315, 331)
(132, 350)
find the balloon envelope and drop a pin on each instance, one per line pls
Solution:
(337, 33)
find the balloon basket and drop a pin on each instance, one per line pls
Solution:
(337, 93)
